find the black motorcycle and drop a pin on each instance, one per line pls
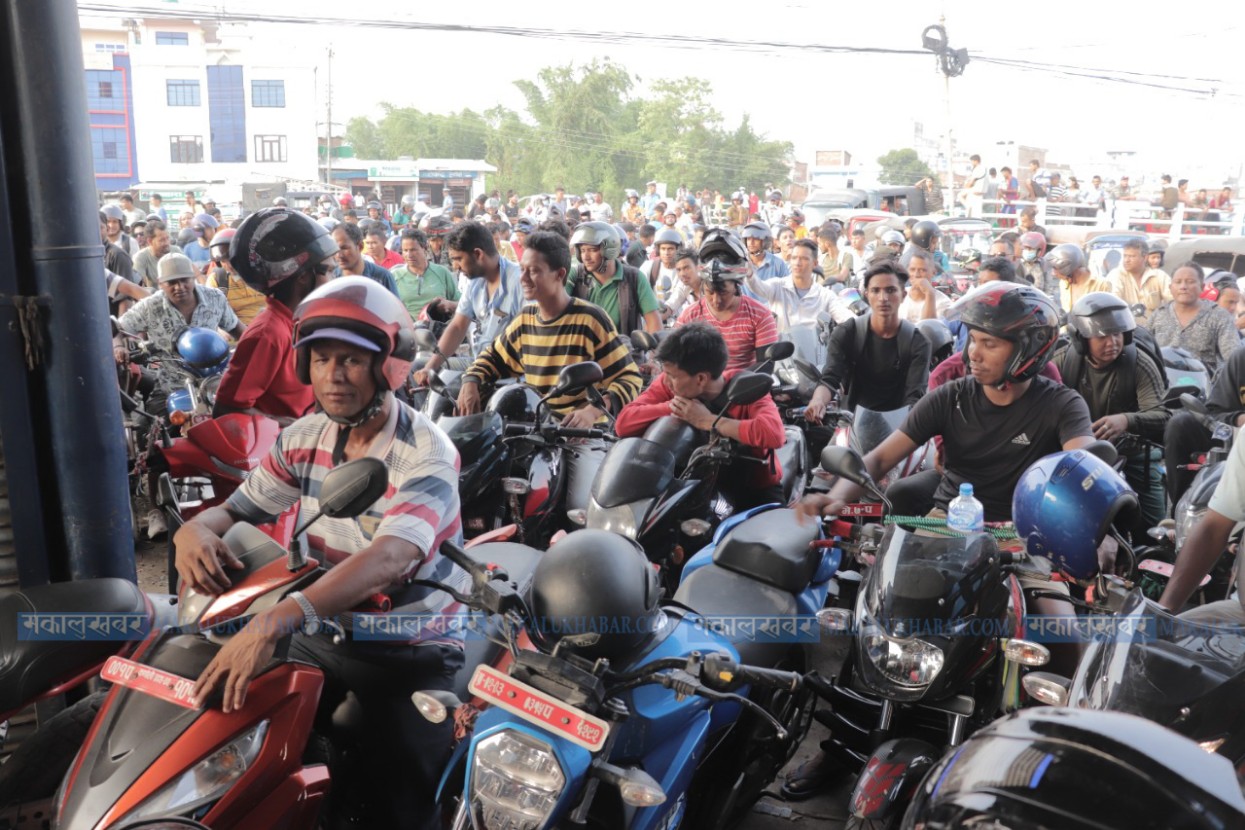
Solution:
(937, 650)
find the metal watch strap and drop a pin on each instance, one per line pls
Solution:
(311, 620)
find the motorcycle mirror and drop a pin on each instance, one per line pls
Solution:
(823, 318)
(643, 341)
(1104, 450)
(1193, 404)
(425, 341)
(747, 388)
(437, 384)
(846, 463)
(776, 351)
(575, 377)
(807, 370)
(350, 489)
(1138, 309)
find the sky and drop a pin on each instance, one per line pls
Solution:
(863, 103)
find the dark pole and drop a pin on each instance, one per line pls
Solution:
(74, 408)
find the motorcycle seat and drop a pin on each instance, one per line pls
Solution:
(519, 562)
(738, 606)
(772, 547)
(30, 667)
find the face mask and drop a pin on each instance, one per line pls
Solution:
(1029, 255)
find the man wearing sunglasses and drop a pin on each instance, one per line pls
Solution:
(744, 323)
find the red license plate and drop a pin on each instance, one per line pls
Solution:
(148, 680)
(539, 708)
(863, 509)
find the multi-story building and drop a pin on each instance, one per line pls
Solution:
(195, 103)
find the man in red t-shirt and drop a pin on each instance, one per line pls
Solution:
(691, 387)
(745, 324)
(286, 255)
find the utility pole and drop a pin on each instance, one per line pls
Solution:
(951, 63)
(328, 128)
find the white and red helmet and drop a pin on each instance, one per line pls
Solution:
(362, 312)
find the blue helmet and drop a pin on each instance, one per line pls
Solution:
(202, 349)
(1064, 504)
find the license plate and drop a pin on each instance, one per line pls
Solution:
(537, 707)
(863, 509)
(150, 681)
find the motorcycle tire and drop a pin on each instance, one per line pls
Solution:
(36, 767)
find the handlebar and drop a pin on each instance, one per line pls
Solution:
(721, 668)
(561, 432)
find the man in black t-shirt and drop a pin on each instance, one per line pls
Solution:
(880, 361)
(999, 420)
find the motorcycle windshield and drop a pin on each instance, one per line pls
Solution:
(1151, 664)
(633, 469)
(872, 428)
(924, 580)
(472, 434)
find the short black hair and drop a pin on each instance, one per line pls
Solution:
(457, 213)
(155, 225)
(156, 197)
(647, 231)
(468, 236)
(354, 232)
(416, 234)
(377, 229)
(557, 226)
(686, 252)
(1000, 266)
(884, 266)
(920, 253)
(1135, 245)
(695, 348)
(807, 243)
(553, 247)
(1197, 269)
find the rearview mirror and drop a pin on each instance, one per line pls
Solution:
(1194, 404)
(353, 487)
(425, 341)
(1139, 309)
(575, 377)
(643, 341)
(748, 388)
(1104, 450)
(846, 463)
(775, 351)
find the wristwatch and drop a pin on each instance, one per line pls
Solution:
(311, 620)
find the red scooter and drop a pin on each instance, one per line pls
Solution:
(151, 755)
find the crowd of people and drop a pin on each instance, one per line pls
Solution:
(1040, 356)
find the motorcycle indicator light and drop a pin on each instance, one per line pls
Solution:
(640, 790)
(516, 486)
(578, 516)
(695, 527)
(433, 710)
(1026, 653)
(179, 417)
(1047, 688)
(1212, 746)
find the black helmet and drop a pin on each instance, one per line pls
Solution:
(1097, 314)
(941, 341)
(1048, 767)
(1066, 259)
(1015, 312)
(601, 234)
(374, 205)
(596, 593)
(757, 230)
(924, 233)
(274, 244)
(516, 402)
(437, 226)
(723, 245)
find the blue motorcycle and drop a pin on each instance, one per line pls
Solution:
(630, 712)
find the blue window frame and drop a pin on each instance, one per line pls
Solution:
(104, 89)
(172, 39)
(110, 149)
(227, 113)
(183, 93)
(268, 93)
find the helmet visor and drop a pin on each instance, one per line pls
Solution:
(344, 335)
(715, 271)
(1102, 323)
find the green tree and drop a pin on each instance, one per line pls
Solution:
(364, 137)
(903, 167)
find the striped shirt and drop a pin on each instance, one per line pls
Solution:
(420, 506)
(538, 349)
(751, 327)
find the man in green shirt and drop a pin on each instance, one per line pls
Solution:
(601, 277)
(422, 283)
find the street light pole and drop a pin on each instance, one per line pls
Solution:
(951, 63)
(328, 128)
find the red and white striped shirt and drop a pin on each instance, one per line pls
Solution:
(749, 329)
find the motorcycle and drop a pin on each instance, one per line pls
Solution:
(868, 428)
(1076, 769)
(655, 742)
(937, 633)
(151, 754)
(53, 640)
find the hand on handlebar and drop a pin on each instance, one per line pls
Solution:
(420, 377)
(469, 398)
(582, 418)
(816, 505)
(201, 558)
(814, 412)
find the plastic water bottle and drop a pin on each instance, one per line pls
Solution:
(965, 513)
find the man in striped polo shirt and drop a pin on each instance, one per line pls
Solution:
(744, 323)
(354, 343)
(553, 331)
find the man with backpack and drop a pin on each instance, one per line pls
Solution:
(601, 277)
(1118, 370)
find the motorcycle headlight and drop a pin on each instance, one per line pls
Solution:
(908, 662)
(515, 782)
(207, 780)
(1187, 515)
(621, 519)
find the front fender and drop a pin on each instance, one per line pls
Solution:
(890, 777)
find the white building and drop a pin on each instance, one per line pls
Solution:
(202, 103)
